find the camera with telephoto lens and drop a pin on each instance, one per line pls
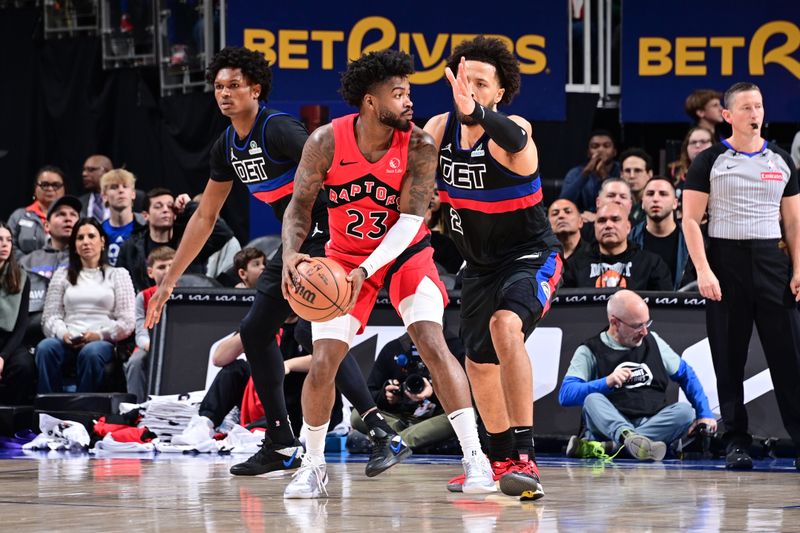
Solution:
(413, 383)
(415, 372)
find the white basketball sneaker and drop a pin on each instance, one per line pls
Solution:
(478, 475)
(309, 481)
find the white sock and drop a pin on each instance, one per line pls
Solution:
(463, 422)
(315, 441)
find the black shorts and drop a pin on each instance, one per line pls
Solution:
(269, 282)
(525, 287)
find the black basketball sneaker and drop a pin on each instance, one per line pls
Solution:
(388, 449)
(272, 458)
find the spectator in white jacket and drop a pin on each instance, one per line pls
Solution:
(88, 308)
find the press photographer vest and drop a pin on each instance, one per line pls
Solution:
(644, 394)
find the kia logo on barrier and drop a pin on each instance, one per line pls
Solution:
(666, 301)
(694, 301)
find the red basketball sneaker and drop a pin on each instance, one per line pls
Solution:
(522, 477)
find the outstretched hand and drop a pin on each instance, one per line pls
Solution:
(462, 94)
(156, 305)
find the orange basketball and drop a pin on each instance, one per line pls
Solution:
(322, 290)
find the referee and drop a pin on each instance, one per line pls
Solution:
(748, 186)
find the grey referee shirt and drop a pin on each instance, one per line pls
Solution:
(745, 189)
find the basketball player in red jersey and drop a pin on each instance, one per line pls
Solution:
(491, 201)
(261, 149)
(378, 171)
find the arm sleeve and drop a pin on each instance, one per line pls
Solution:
(574, 390)
(698, 177)
(508, 135)
(123, 321)
(687, 379)
(221, 169)
(14, 340)
(53, 323)
(285, 138)
(142, 335)
(394, 242)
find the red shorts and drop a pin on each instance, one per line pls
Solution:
(405, 274)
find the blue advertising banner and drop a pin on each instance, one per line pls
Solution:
(310, 42)
(671, 48)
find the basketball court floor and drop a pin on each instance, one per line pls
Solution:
(133, 493)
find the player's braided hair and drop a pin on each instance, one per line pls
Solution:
(252, 64)
(376, 67)
(492, 51)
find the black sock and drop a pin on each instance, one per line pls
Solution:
(375, 420)
(280, 431)
(523, 443)
(501, 445)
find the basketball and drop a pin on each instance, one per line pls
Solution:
(322, 290)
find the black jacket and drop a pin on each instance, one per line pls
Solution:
(133, 254)
(685, 272)
(634, 269)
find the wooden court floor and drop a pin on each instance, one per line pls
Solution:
(61, 492)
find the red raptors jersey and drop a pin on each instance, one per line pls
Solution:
(363, 197)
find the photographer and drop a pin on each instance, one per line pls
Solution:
(619, 378)
(402, 387)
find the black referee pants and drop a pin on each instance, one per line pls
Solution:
(754, 278)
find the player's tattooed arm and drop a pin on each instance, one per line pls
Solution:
(308, 180)
(420, 178)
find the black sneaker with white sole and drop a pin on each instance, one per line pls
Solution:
(388, 449)
(271, 458)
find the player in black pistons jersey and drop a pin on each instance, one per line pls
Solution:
(261, 148)
(491, 201)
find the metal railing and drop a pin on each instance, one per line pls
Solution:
(66, 18)
(129, 47)
(189, 75)
(592, 25)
